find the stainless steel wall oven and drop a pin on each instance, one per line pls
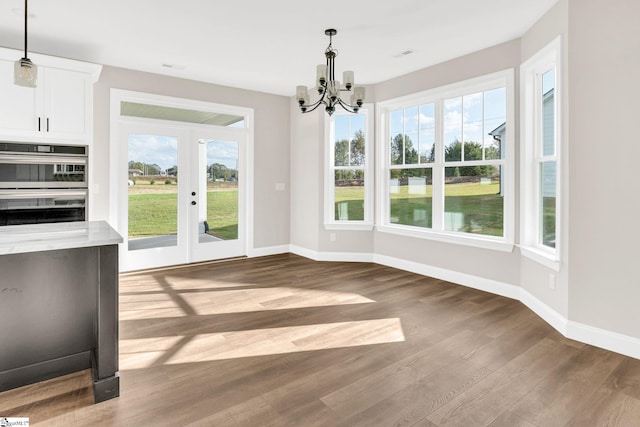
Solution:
(42, 183)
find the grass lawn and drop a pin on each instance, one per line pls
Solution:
(469, 207)
(349, 203)
(153, 211)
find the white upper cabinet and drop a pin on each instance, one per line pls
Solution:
(60, 108)
(18, 104)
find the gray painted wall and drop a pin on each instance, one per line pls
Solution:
(271, 142)
(604, 198)
(534, 277)
(307, 133)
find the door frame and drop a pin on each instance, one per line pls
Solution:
(118, 152)
(204, 251)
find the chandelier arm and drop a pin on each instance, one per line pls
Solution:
(350, 108)
(315, 106)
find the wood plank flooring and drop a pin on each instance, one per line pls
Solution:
(286, 341)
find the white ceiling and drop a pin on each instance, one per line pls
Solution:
(269, 46)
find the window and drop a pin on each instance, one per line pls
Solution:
(348, 196)
(446, 163)
(540, 185)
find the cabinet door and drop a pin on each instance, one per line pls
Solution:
(18, 104)
(65, 103)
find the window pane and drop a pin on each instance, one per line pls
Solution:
(357, 140)
(410, 192)
(453, 129)
(341, 138)
(548, 204)
(220, 221)
(396, 132)
(474, 200)
(349, 195)
(411, 140)
(548, 113)
(153, 191)
(427, 133)
(495, 119)
(472, 126)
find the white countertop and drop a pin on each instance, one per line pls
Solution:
(16, 239)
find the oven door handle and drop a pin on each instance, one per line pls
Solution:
(30, 194)
(30, 159)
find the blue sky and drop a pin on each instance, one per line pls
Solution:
(163, 151)
(469, 118)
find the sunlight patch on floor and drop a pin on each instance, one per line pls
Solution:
(175, 303)
(148, 352)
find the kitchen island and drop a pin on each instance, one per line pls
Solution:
(59, 304)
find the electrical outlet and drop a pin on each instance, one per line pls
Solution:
(552, 281)
(332, 237)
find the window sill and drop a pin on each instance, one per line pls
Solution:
(355, 226)
(541, 257)
(457, 239)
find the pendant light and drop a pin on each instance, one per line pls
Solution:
(25, 71)
(329, 88)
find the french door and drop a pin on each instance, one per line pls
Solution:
(183, 199)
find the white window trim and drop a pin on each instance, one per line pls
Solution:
(530, 127)
(330, 223)
(506, 243)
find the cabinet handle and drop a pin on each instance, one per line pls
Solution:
(38, 124)
(47, 124)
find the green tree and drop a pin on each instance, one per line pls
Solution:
(219, 171)
(357, 149)
(341, 153)
(472, 151)
(402, 144)
(350, 153)
(153, 169)
(136, 165)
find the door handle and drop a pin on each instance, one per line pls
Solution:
(193, 203)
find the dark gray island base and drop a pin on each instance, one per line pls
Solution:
(59, 309)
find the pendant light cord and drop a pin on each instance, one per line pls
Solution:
(25, 28)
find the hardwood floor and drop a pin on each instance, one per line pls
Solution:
(285, 341)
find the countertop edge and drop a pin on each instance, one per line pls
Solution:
(16, 239)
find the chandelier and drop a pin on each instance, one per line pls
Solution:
(329, 88)
(25, 72)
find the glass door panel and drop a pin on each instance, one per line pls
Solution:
(219, 196)
(153, 216)
(219, 211)
(152, 191)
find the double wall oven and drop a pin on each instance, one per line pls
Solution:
(42, 183)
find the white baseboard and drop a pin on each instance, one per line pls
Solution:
(623, 344)
(549, 315)
(619, 343)
(332, 256)
(480, 283)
